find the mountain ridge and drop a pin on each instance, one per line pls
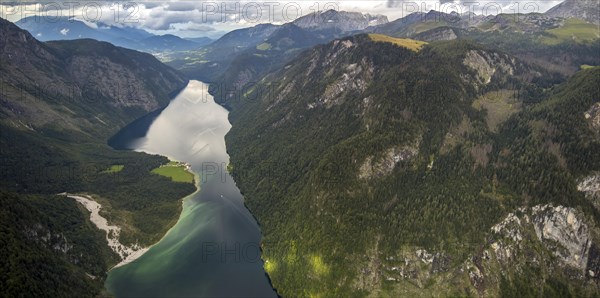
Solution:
(78, 68)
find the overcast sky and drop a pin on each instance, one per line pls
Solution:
(214, 18)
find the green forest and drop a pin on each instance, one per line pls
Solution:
(311, 202)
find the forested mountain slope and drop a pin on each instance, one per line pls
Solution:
(386, 167)
(213, 59)
(60, 102)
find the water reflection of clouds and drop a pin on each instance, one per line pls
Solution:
(192, 128)
(193, 131)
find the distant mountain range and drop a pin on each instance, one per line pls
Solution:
(243, 55)
(64, 28)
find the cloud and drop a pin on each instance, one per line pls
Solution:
(150, 5)
(182, 6)
(217, 16)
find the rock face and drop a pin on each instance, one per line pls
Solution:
(339, 20)
(493, 68)
(560, 230)
(582, 9)
(543, 236)
(355, 79)
(436, 34)
(563, 231)
(45, 237)
(590, 186)
(593, 116)
(384, 165)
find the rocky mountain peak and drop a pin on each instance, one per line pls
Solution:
(340, 20)
(588, 10)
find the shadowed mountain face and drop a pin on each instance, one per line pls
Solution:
(113, 84)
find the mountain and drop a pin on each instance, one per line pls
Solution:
(560, 45)
(439, 33)
(60, 101)
(79, 68)
(264, 47)
(287, 41)
(213, 59)
(342, 21)
(201, 40)
(169, 42)
(64, 28)
(588, 10)
(418, 22)
(391, 167)
(280, 46)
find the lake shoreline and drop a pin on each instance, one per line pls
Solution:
(127, 254)
(195, 257)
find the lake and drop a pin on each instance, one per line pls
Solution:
(214, 249)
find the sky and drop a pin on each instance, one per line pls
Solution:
(213, 18)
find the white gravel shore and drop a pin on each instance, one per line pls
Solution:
(127, 253)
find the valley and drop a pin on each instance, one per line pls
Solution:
(358, 153)
(216, 241)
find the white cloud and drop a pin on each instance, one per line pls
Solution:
(179, 16)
